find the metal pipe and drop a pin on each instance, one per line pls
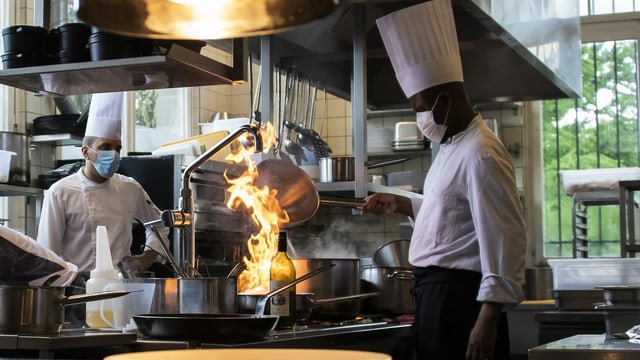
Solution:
(183, 217)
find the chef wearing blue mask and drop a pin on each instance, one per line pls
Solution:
(96, 195)
(468, 242)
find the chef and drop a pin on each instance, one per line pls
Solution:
(468, 242)
(74, 206)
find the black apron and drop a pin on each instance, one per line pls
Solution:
(446, 311)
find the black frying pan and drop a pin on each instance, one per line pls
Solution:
(205, 326)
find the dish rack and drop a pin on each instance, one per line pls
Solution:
(601, 187)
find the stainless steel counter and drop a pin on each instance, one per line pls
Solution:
(394, 339)
(586, 347)
(89, 343)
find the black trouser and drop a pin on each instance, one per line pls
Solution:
(446, 310)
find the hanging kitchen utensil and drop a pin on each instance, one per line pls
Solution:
(306, 134)
(292, 147)
(296, 191)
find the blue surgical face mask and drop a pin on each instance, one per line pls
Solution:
(107, 162)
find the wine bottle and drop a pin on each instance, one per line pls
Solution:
(282, 272)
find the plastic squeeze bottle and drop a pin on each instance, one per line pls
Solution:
(103, 275)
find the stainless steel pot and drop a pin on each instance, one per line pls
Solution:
(165, 295)
(393, 254)
(20, 168)
(40, 309)
(395, 287)
(211, 295)
(337, 168)
(342, 280)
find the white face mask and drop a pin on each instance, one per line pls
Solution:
(432, 130)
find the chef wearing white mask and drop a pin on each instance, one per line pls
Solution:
(468, 243)
(76, 205)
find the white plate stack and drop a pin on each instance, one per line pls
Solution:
(407, 137)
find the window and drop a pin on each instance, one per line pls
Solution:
(599, 7)
(160, 116)
(598, 130)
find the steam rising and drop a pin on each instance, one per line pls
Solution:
(335, 241)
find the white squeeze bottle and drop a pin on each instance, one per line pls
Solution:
(101, 276)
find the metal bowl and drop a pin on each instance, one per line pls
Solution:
(393, 254)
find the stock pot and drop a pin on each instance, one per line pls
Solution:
(342, 280)
(20, 167)
(395, 286)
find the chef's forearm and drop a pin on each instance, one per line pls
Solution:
(403, 206)
(147, 258)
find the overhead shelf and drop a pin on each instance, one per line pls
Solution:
(180, 67)
(57, 139)
(14, 190)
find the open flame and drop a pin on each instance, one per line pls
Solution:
(265, 211)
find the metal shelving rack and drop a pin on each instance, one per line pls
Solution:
(629, 245)
(581, 201)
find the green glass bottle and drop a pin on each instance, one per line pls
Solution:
(283, 272)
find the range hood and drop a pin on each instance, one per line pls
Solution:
(511, 50)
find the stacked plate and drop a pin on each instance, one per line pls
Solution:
(407, 137)
(401, 145)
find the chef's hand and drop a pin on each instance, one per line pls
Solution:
(138, 263)
(482, 339)
(385, 204)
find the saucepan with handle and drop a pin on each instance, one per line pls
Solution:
(40, 309)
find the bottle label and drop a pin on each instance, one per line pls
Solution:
(280, 301)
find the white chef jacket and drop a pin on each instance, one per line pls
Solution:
(74, 206)
(470, 217)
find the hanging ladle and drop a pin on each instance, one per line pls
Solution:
(292, 147)
(306, 135)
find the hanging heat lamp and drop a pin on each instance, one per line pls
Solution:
(200, 19)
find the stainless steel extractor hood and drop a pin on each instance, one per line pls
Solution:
(511, 50)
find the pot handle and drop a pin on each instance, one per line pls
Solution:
(82, 298)
(401, 275)
(320, 302)
(262, 301)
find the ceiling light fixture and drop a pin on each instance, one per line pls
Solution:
(200, 19)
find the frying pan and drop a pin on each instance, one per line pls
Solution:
(205, 326)
(297, 193)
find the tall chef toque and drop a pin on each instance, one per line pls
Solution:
(422, 43)
(105, 116)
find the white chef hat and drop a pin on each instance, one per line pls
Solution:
(422, 43)
(105, 116)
